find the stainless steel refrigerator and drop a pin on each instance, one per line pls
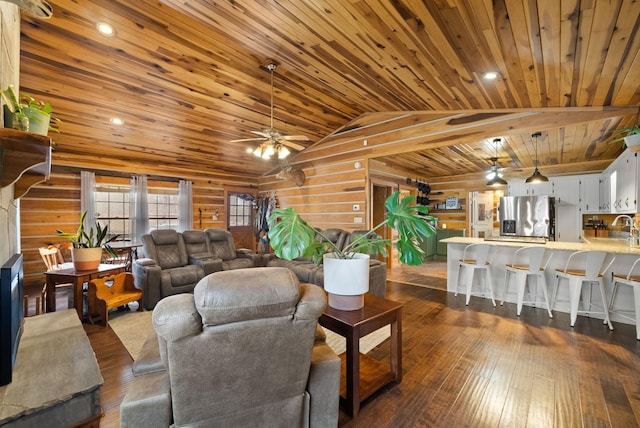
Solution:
(531, 216)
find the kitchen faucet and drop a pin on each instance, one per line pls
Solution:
(632, 228)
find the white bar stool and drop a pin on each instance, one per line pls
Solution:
(477, 257)
(632, 279)
(591, 269)
(528, 262)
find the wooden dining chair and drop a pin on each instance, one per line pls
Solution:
(53, 260)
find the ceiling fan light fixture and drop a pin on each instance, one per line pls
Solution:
(497, 182)
(268, 149)
(494, 175)
(283, 152)
(272, 141)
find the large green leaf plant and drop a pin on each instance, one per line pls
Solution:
(94, 238)
(292, 237)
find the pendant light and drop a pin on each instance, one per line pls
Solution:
(494, 176)
(536, 177)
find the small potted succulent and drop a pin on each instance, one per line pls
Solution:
(346, 271)
(28, 114)
(89, 245)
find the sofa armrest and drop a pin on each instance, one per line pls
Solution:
(148, 360)
(245, 253)
(147, 402)
(208, 263)
(146, 276)
(324, 386)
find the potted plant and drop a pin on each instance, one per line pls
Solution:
(292, 237)
(28, 114)
(89, 245)
(630, 136)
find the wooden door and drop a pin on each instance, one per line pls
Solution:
(379, 194)
(240, 213)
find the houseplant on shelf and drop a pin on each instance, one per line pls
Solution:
(291, 237)
(630, 136)
(28, 114)
(89, 245)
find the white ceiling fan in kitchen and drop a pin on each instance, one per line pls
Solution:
(272, 141)
(494, 175)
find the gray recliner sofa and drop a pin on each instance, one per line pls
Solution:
(243, 350)
(174, 262)
(307, 271)
(165, 269)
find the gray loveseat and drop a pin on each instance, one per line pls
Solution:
(243, 350)
(307, 271)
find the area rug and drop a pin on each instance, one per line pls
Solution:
(132, 328)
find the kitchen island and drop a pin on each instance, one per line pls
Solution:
(624, 254)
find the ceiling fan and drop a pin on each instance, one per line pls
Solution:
(273, 141)
(494, 175)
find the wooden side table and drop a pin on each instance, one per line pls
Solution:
(366, 375)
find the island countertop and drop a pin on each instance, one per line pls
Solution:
(619, 249)
(611, 245)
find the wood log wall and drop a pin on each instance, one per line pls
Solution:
(55, 204)
(328, 195)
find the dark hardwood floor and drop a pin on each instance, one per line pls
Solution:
(475, 366)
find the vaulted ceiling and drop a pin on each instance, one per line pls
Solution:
(187, 77)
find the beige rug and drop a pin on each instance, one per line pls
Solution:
(132, 328)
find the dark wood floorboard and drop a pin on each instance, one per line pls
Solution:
(476, 366)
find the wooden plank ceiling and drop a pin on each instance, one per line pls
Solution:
(188, 77)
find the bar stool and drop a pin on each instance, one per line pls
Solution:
(477, 257)
(632, 279)
(591, 270)
(528, 262)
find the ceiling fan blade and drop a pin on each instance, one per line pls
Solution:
(292, 145)
(295, 137)
(247, 139)
(261, 133)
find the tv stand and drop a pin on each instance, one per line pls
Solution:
(56, 378)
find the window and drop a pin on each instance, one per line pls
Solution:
(163, 208)
(239, 210)
(112, 205)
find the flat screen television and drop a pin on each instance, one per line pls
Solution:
(11, 315)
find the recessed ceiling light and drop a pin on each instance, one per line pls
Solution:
(116, 121)
(490, 75)
(106, 29)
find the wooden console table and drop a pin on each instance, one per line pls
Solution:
(56, 378)
(366, 375)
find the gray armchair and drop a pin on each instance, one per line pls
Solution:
(243, 350)
(165, 269)
(223, 247)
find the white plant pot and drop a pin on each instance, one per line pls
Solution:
(632, 140)
(346, 281)
(86, 258)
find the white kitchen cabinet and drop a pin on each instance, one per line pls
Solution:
(623, 183)
(566, 189)
(589, 193)
(516, 187)
(566, 192)
(519, 187)
(605, 192)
